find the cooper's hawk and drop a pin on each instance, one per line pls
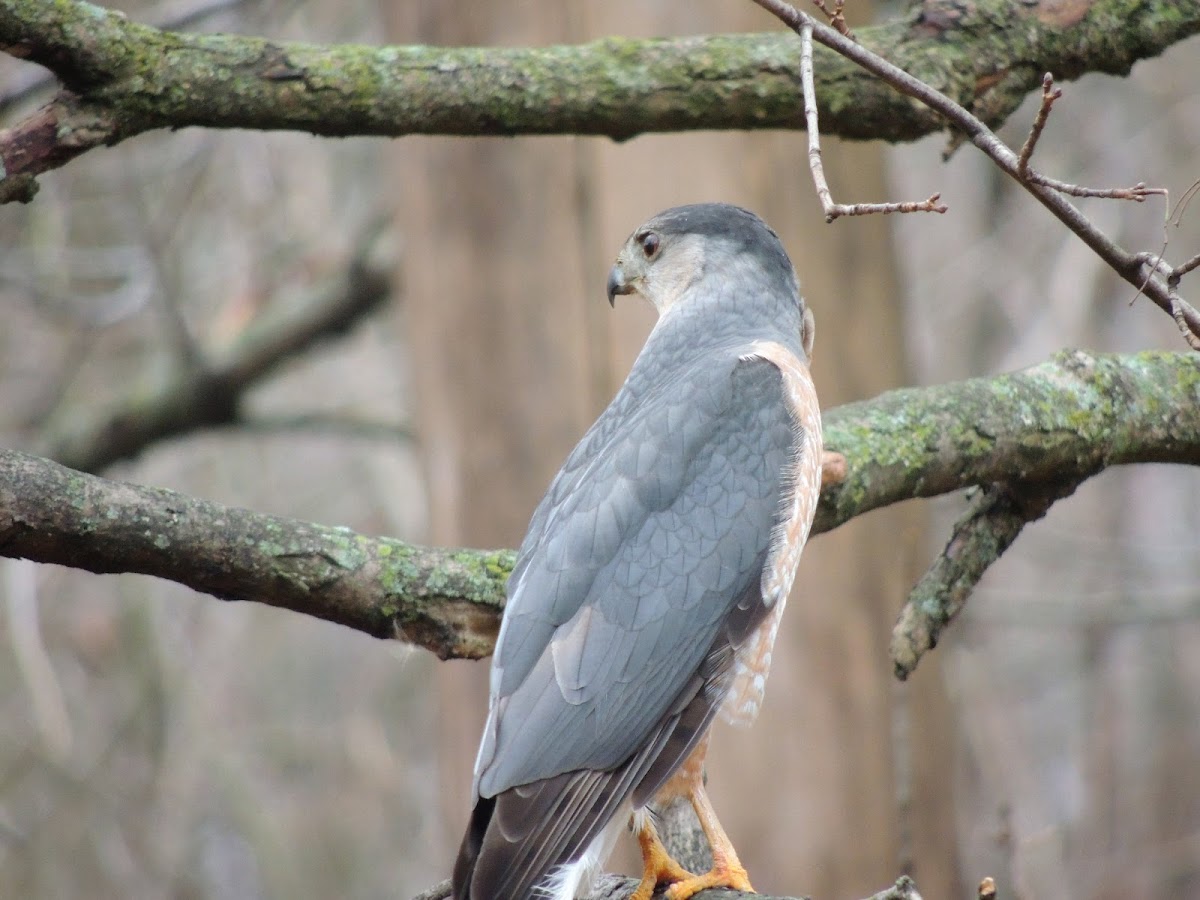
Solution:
(647, 594)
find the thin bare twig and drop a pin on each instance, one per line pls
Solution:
(1137, 193)
(1155, 262)
(1188, 266)
(1176, 216)
(157, 237)
(1049, 94)
(1130, 266)
(1184, 314)
(1152, 264)
(836, 210)
(1187, 319)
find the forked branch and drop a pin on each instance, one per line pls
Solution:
(836, 210)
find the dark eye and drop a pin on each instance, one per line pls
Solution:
(649, 242)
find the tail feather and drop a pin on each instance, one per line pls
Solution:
(468, 853)
(526, 841)
(537, 838)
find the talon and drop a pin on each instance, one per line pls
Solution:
(658, 867)
(727, 870)
(730, 875)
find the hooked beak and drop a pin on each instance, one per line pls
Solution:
(617, 284)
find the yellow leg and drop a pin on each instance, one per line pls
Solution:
(657, 865)
(727, 870)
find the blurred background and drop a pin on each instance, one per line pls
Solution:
(155, 743)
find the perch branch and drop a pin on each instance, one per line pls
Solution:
(612, 887)
(615, 887)
(1064, 419)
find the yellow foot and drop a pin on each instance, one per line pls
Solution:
(729, 876)
(657, 865)
(670, 873)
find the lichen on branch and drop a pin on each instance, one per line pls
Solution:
(1065, 419)
(122, 78)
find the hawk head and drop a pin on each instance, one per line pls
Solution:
(727, 249)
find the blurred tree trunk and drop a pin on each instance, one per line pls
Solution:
(497, 329)
(506, 248)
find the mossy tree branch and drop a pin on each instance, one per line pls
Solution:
(1064, 420)
(121, 78)
(997, 515)
(446, 600)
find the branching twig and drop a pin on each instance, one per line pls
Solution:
(836, 210)
(1049, 94)
(1187, 319)
(209, 394)
(1188, 266)
(1126, 264)
(1137, 193)
(836, 16)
